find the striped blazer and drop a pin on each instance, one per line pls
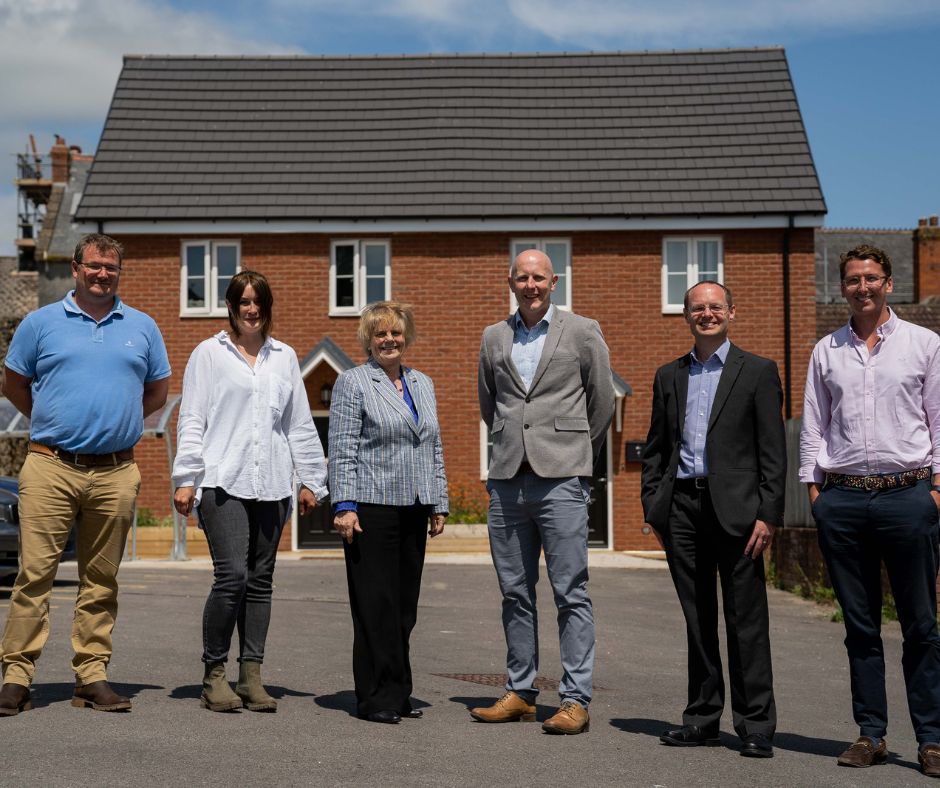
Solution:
(377, 453)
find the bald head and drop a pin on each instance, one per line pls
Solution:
(532, 257)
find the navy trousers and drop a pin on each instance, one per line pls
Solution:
(858, 529)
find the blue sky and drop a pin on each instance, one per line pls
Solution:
(866, 71)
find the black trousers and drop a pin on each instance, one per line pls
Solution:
(699, 552)
(858, 529)
(383, 569)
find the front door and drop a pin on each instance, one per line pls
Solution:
(316, 528)
(597, 509)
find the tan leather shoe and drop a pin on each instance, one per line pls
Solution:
(509, 708)
(570, 719)
(99, 696)
(14, 698)
(865, 752)
(929, 757)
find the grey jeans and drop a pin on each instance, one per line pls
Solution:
(527, 514)
(242, 537)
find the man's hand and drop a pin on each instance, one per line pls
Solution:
(761, 537)
(347, 525)
(437, 525)
(306, 501)
(813, 489)
(183, 500)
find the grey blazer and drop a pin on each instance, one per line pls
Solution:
(378, 454)
(559, 425)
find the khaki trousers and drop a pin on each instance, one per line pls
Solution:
(52, 494)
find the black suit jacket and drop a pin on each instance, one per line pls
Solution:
(745, 448)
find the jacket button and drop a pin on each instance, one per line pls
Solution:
(525, 426)
(527, 399)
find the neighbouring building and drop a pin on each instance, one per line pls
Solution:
(350, 179)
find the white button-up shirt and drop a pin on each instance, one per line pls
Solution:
(247, 429)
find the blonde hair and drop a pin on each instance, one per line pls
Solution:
(386, 313)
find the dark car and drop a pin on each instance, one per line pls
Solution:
(10, 528)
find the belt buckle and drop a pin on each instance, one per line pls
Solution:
(700, 482)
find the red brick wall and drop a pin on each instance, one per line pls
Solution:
(456, 283)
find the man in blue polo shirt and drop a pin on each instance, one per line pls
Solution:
(86, 371)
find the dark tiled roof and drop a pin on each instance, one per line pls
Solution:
(831, 243)
(456, 136)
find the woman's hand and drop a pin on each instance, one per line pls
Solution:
(437, 525)
(183, 500)
(306, 501)
(347, 525)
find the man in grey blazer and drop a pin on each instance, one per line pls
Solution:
(546, 394)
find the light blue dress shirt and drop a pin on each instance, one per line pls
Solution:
(703, 382)
(527, 344)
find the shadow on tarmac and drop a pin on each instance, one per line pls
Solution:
(194, 691)
(345, 700)
(47, 694)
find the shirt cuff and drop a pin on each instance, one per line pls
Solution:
(812, 475)
(345, 506)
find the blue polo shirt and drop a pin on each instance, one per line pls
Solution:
(88, 376)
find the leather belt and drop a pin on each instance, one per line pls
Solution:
(86, 460)
(884, 481)
(697, 484)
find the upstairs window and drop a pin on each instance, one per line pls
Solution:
(360, 274)
(685, 262)
(206, 269)
(559, 252)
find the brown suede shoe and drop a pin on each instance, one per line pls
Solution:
(99, 696)
(865, 752)
(929, 757)
(570, 719)
(509, 708)
(14, 698)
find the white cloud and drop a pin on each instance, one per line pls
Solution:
(640, 24)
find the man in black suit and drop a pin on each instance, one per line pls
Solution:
(713, 480)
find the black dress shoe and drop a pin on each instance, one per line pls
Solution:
(690, 736)
(413, 714)
(756, 745)
(385, 715)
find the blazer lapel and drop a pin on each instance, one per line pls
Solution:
(509, 332)
(417, 394)
(682, 392)
(387, 392)
(729, 375)
(548, 349)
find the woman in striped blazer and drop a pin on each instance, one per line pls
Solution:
(387, 482)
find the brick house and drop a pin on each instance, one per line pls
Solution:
(347, 179)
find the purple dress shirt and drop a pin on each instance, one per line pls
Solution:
(877, 412)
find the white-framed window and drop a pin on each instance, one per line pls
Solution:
(206, 268)
(687, 260)
(360, 274)
(559, 252)
(486, 450)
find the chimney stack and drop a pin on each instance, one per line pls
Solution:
(60, 161)
(927, 259)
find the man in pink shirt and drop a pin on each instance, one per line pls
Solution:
(870, 456)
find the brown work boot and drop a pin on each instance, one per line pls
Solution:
(570, 719)
(14, 698)
(251, 690)
(99, 696)
(929, 757)
(865, 752)
(217, 693)
(509, 708)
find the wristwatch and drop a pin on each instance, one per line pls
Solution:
(935, 488)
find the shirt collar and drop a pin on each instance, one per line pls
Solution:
(721, 353)
(884, 330)
(70, 306)
(518, 322)
(225, 339)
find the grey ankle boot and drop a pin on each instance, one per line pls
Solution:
(217, 693)
(251, 691)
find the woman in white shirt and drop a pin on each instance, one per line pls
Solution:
(244, 430)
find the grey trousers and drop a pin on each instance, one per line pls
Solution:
(527, 514)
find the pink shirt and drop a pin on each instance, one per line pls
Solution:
(872, 413)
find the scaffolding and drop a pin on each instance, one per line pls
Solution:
(33, 192)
